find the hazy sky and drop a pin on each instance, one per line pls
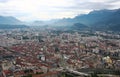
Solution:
(52, 9)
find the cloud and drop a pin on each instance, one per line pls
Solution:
(91, 6)
(3, 1)
(94, 4)
(52, 9)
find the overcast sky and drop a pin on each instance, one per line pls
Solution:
(52, 9)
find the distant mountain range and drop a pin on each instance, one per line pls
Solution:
(102, 19)
(9, 22)
(97, 19)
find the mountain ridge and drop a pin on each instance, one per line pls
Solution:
(9, 22)
(97, 20)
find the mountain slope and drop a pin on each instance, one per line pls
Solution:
(98, 19)
(9, 20)
(94, 17)
(112, 22)
(79, 26)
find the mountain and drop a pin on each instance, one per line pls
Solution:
(110, 22)
(53, 23)
(9, 22)
(97, 19)
(93, 17)
(101, 19)
(79, 26)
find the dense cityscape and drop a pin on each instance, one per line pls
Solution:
(48, 52)
(59, 38)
